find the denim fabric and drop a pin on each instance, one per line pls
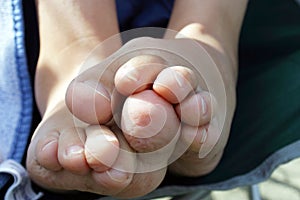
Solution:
(15, 88)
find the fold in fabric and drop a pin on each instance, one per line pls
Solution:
(15, 88)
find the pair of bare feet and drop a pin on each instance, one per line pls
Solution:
(121, 128)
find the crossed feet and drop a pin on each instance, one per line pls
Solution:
(142, 107)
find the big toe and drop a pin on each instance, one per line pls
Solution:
(149, 122)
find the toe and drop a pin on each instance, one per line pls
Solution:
(138, 74)
(101, 148)
(175, 83)
(193, 137)
(196, 110)
(47, 151)
(120, 175)
(202, 150)
(110, 182)
(201, 140)
(210, 138)
(89, 101)
(71, 151)
(122, 181)
(148, 121)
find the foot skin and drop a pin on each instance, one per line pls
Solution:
(144, 124)
(69, 157)
(157, 107)
(65, 154)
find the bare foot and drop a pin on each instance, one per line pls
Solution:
(70, 154)
(143, 122)
(154, 103)
(162, 106)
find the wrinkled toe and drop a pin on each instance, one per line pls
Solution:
(101, 148)
(47, 150)
(197, 109)
(148, 121)
(175, 83)
(138, 74)
(71, 151)
(89, 101)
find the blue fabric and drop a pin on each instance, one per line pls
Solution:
(15, 88)
(136, 14)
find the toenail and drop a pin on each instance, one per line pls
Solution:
(203, 105)
(117, 175)
(74, 150)
(132, 74)
(111, 138)
(97, 88)
(49, 144)
(179, 79)
(210, 141)
(203, 153)
(204, 136)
